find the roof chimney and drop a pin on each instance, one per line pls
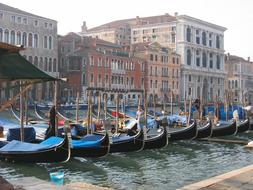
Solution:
(248, 59)
(176, 14)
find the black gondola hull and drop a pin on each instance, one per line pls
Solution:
(159, 141)
(130, 145)
(244, 126)
(184, 133)
(205, 131)
(60, 153)
(229, 129)
(93, 152)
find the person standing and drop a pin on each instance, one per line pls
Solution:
(51, 128)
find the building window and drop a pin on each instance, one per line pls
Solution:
(189, 57)
(218, 62)
(30, 40)
(50, 65)
(36, 23)
(54, 65)
(211, 60)
(189, 91)
(204, 38)
(6, 36)
(177, 60)
(1, 34)
(19, 19)
(41, 63)
(45, 64)
(151, 57)
(45, 41)
(156, 57)
(24, 39)
(204, 59)
(190, 78)
(45, 24)
(1, 15)
(188, 34)
(197, 58)
(173, 60)
(50, 42)
(36, 61)
(13, 18)
(12, 37)
(173, 38)
(197, 37)
(35, 40)
(24, 20)
(217, 42)
(91, 77)
(210, 40)
(19, 38)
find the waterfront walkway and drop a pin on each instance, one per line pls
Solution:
(241, 179)
(33, 183)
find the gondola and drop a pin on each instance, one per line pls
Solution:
(92, 145)
(224, 129)
(243, 126)
(54, 149)
(123, 142)
(156, 138)
(182, 133)
(205, 131)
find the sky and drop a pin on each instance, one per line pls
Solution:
(235, 15)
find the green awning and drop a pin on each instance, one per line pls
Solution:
(13, 66)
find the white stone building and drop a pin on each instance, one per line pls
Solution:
(201, 45)
(38, 35)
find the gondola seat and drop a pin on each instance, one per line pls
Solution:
(14, 134)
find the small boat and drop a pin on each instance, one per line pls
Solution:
(123, 142)
(156, 138)
(224, 129)
(183, 133)
(54, 149)
(243, 126)
(205, 131)
(92, 145)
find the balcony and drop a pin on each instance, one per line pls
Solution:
(120, 72)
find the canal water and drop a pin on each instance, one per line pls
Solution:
(179, 164)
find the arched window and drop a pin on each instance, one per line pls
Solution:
(30, 40)
(204, 38)
(24, 39)
(35, 40)
(197, 58)
(204, 59)
(36, 61)
(19, 38)
(188, 34)
(45, 64)
(6, 36)
(12, 37)
(50, 42)
(211, 60)
(30, 59)
(217, 42)
(41, 63)
(50, 65)
(54, 65)
(45, 41)
(198, 91)
(189, 56)
(218, 62)
(1, 34)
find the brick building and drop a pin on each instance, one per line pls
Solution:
(100, 65)
(163, 71)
